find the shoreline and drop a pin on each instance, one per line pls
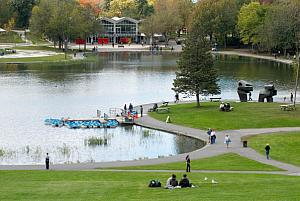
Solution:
(250, 55)
(108, 49)
(204, 152)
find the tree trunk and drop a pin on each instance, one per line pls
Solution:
(198, 99)
(59, 44)
(225, 41)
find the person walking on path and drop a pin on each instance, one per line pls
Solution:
(292, 97)
(188, 163)
(213, 137)
(209, 133)
(250, 98)
(47, 161)
(267, 148)
(141, 110)
(227, 141)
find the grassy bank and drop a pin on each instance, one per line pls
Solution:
(244, 115)
(284, 146)
(84, 185)
(229, 161)
(10, 37)
(54, 58)
(43, 48)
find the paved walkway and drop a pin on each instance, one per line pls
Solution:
(207, 151)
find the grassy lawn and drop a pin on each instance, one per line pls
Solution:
(284, 146)
(35, 39)
(245, 115)
(43, 48)
(10, 37)
(93, 185)
(54, 58)
(229, 161)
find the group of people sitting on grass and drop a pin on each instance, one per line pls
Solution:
(173, 183)
(225, 107)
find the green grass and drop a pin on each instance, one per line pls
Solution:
(285, 147)
(228, 161)
(10, 37)
(245, 115)
(43, 48)
(54, 58)
(35, 39)
(93, 185)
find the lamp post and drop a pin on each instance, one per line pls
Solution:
(297, 63)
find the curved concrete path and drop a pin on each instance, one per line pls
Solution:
(208, 151)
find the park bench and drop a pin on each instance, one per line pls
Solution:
(163, 110)
(121, 46)
(214, 99)
(289, 107)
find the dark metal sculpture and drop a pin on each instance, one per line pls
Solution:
(243, 89)
(267, 93)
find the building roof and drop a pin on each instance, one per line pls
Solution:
(119, 19)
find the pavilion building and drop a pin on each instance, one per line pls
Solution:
(117, 30)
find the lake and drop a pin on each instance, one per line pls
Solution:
(31, 93)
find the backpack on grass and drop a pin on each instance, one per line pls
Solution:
(154, 183)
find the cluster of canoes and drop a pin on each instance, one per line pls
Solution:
(110, 123)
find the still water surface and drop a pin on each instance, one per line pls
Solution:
(32, 92)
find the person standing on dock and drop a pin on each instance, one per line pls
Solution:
(141, 110)
(47, 161)
(130, 107)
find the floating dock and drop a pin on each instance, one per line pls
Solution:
(94, 122)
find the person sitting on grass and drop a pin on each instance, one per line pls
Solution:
(184, 182)
(172, 182)
(222, 107)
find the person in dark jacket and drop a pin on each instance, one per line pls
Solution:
(184, 182)
(141, 110)
(47, 161)
(267, 148)
(188, 163)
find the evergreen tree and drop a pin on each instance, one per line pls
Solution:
(197, 74)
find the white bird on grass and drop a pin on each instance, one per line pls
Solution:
(205, 179)
(213, 181)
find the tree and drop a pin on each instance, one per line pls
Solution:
(166, 19)
(197, 74)
(23, 11)
(118, 7)
(226, 19)
(250, 18)
(281, 27)
(6, 12)
(66, 20)
(204, 15)
(217, 17)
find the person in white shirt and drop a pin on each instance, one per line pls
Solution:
(227, 141)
